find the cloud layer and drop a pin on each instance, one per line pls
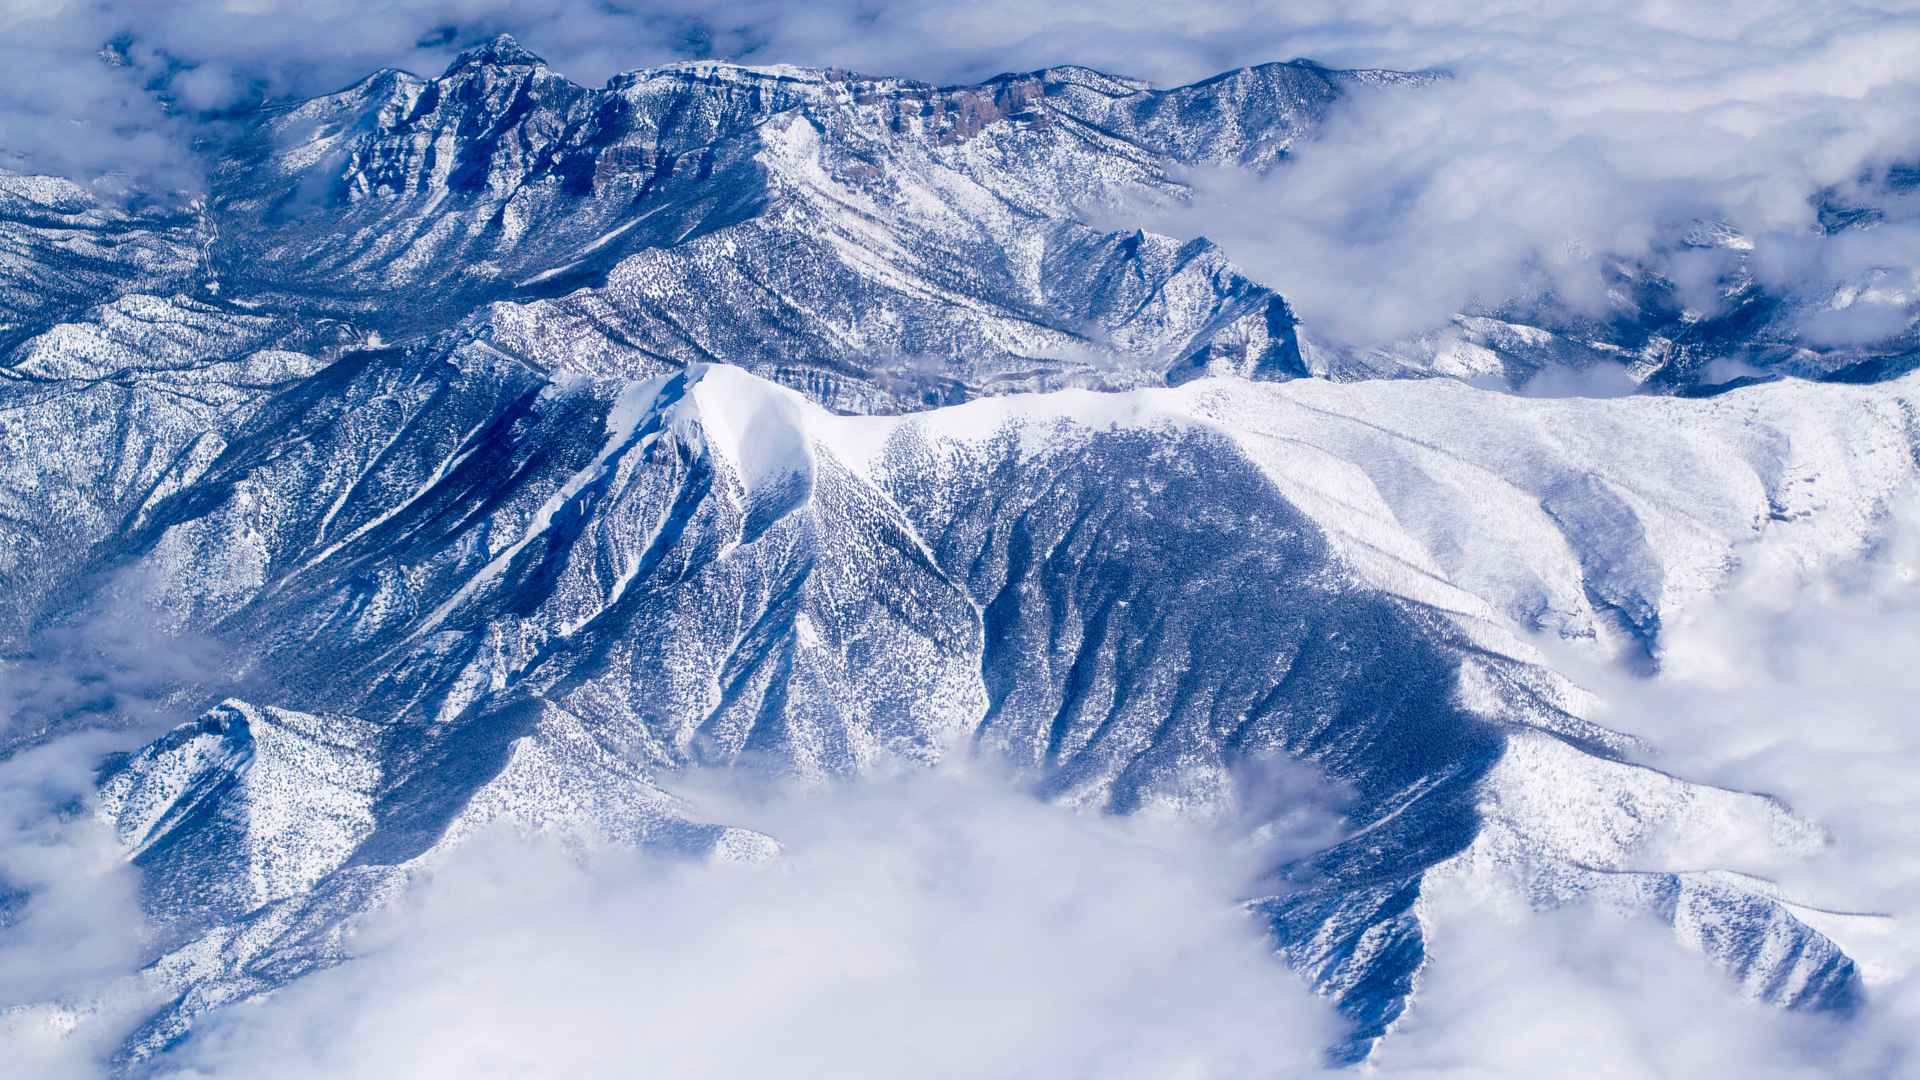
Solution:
(1565, 142)
(932, 925)
(1802, 684)
(1797, 681)
(71, 929)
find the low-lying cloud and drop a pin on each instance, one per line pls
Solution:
(946, 924)
(109, 665)
(1802, 684)
(1582, 994)
(1799, 681)
(71, 928)
(1571, 144)
(928, 925)
(72, 932)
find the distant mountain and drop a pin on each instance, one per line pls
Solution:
(527, 444)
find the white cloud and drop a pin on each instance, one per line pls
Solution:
(1579, 994)
(927, 925)
(72, 932)
(108, 664)
(1565, 140)
(1802, 684)
(71, 929)
(1799, 682)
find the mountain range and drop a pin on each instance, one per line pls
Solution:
(520, 446)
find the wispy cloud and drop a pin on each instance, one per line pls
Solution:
(107, 664)
(1566, 142)
(71, 928)
(72, 932)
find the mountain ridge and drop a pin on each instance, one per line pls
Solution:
(733, 421)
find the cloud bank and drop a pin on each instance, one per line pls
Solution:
(1797, 681)
(72, 933)
(1802, 684)
(1566, 143)
(929, 925)
(71, 929)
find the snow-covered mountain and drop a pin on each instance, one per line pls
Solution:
(526, 445)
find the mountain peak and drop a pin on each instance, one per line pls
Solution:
(502, 51)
